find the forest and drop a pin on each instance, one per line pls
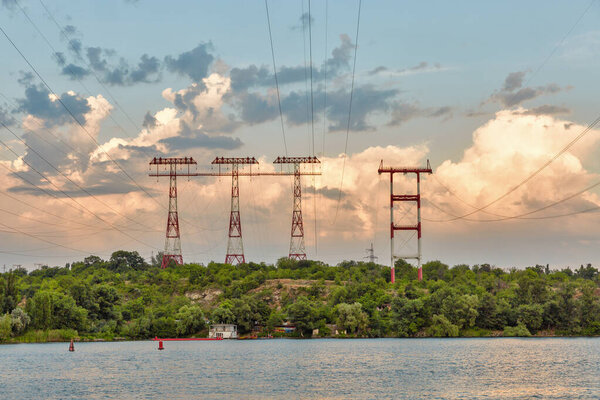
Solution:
(127, 298)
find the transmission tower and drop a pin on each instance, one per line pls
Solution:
(297, 248)
(235, 244)
(173, 236)
(371, 254)
(235, 248)
(410, 198)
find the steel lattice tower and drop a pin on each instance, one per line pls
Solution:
(405, 197)
(297, 247)
(235, 244)
(173, 235)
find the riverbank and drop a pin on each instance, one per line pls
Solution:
(125, 297)
(65, 336)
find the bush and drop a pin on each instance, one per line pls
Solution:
(442, 327)
(519, 331)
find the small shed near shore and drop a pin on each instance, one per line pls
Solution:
(223, 331)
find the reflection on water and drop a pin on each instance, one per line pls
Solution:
(330, 369)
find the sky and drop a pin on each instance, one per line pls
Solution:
(497, 95)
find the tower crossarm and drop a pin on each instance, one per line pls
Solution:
(225, 173)
(296, 160)
(404, 169)
(406, 227)
(234, 160)
(173, 160)
(405, 197)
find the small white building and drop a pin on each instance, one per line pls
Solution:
(224, 331)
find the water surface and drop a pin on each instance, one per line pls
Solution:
(499, 368)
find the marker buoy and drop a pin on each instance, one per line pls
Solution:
(71, 346)
(160, 345)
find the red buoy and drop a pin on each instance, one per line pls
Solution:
(71, 346)
(160, 345)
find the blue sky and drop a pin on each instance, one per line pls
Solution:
(428, 75)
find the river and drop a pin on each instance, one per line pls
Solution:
(490, 368)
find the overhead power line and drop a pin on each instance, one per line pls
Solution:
(84, 190)
(533, 174)
(337, 208)
(276, 80)
(559, 44)
(68, 195)
(84, 129)
(67, 36)
(526, 214)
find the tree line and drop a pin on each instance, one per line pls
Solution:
(126, 297)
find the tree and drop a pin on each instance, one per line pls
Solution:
(488, 316)
(53, 310)
(302, 313)
(408, 316)
(442, 327)
(519, 330)
(435, 270)
(122, 261)
(11, 293)
(189, 320)
(19, 320)
(351, 317)
(5, 327)
(105, 297)
(531, 315)
(405, 270)
(223, 315)
(587, 272)
(461, 310)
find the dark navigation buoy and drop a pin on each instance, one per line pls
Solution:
(160, 345)
(71, 346)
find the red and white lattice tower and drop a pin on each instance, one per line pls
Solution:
(297, 247)
(235, 244)
(410, 198)
(173, 235)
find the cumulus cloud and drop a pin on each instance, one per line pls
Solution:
(189, 138)
(513, 93)
(6, 116)
(422, 67)
(368, 100)
(100, 61)
(404, 111)
(254, 76)
(547, 109)
(193, 63)
(40, 103)
(203, 103)
(505, 151)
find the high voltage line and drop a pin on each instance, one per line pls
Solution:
(585, 131)
(337, 208)
(69, 196)
(66, 35)
(532, 175)
(276, 81)
(70, 180)
(312, 120)
(75, 118)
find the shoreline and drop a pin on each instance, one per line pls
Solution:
(102, 340)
